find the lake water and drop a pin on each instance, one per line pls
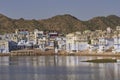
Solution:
(56, 68)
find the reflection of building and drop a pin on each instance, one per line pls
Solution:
(4, 61)
(72, 61)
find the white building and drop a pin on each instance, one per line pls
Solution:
(76, 42)
(61, 43)
(118, 28)
(116, 38)
(4, 46)
(105, 44)
(38, 35)
(102, 44)
(116, 44)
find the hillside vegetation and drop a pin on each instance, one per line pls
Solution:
(61, 23)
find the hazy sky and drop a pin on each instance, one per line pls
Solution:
(42, 9)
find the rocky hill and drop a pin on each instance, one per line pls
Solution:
(62, 23)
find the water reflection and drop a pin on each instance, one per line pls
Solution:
(56, 68)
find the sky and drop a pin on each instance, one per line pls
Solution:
(43, 9)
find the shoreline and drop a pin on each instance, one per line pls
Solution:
(61, 53)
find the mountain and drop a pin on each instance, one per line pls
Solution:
(61, 23)
(6, 24)
(103, 22)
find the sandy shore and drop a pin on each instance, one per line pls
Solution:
(37, 52)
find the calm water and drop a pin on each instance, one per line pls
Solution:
(56, 68)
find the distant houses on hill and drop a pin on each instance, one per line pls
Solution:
(99, 41)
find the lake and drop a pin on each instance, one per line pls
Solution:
(56, 68)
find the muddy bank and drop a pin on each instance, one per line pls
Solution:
(37, 52)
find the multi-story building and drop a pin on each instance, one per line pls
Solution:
(76, 42)
(116, 38)
(4, 46)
